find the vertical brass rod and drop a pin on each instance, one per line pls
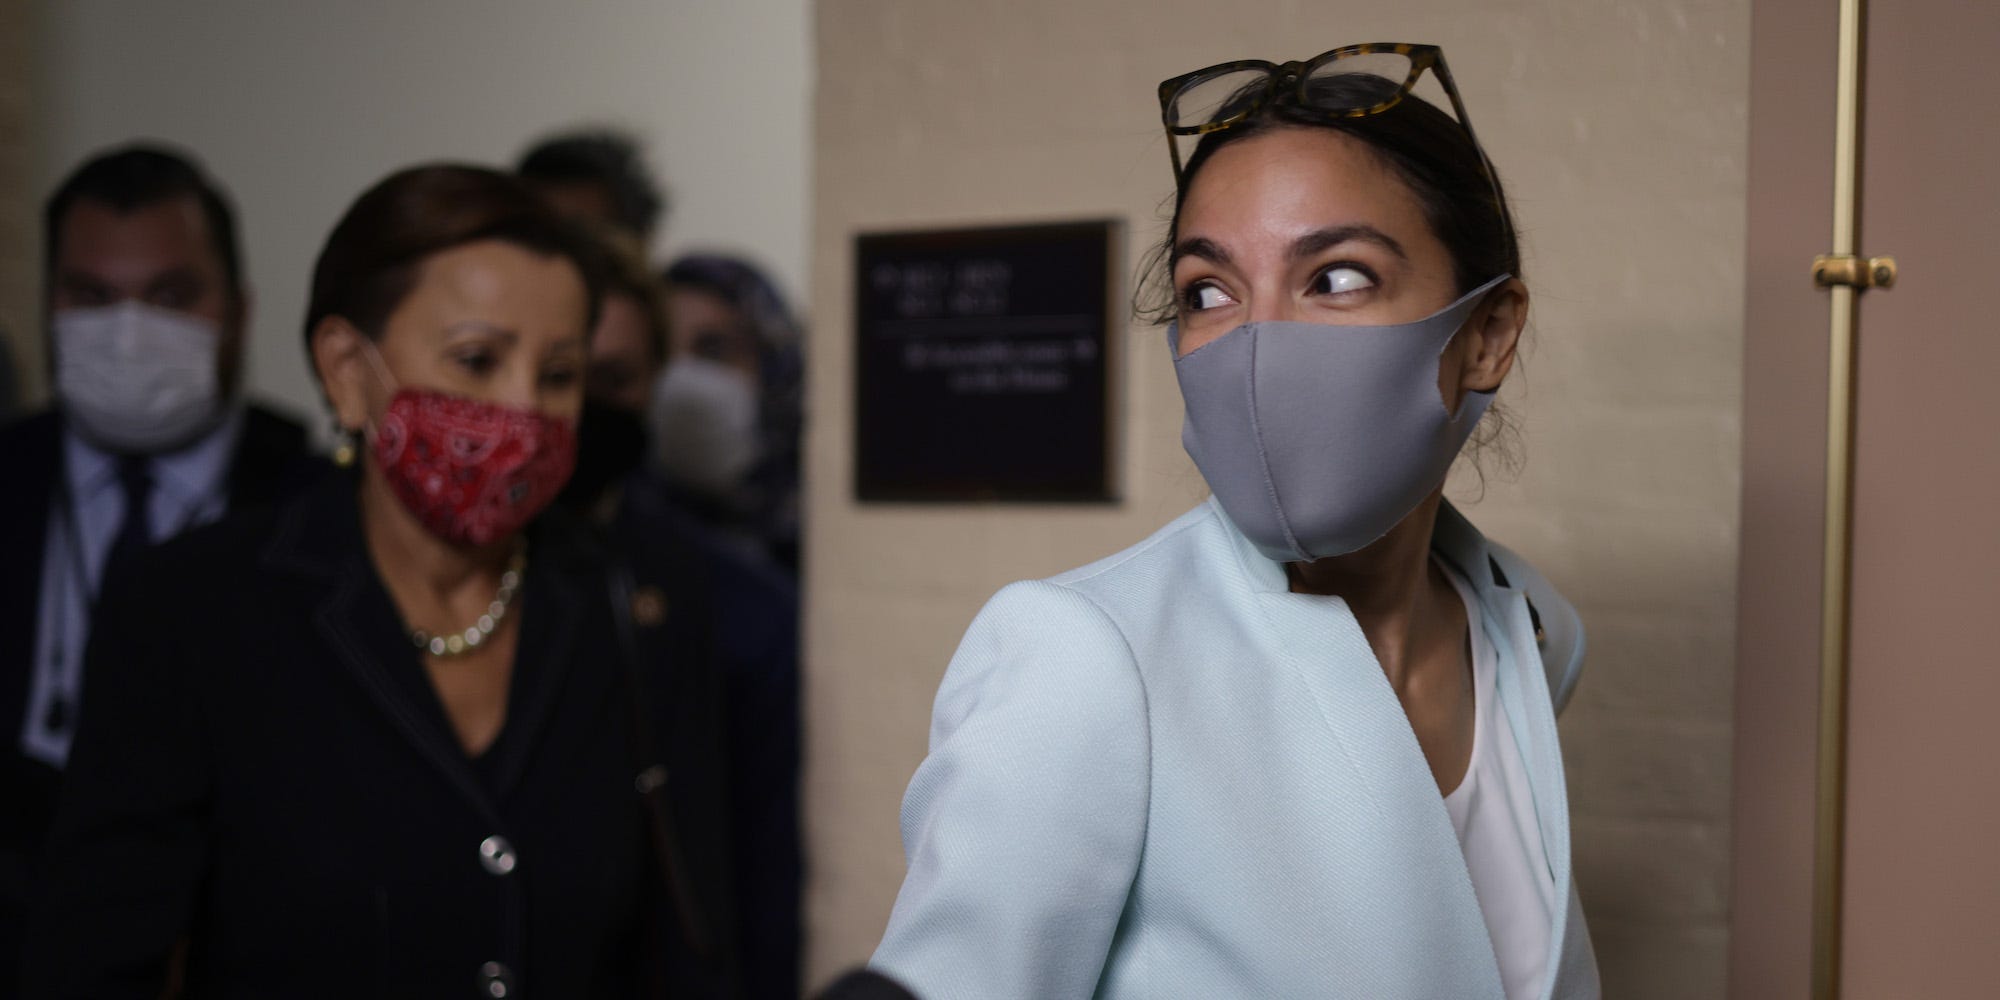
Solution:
(1830, 820)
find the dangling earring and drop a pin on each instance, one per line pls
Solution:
(344, 450)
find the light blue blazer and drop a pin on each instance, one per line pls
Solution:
(1165, 775)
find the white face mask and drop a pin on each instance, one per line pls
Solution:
(704, 425)
(137, 378)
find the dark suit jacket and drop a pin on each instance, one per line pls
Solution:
(263, 768)
(270, 462)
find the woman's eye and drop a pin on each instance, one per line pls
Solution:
(1342, 278)
(478, 363)
(1205, 296)
(559, 378)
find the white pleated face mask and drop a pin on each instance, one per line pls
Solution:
(703, 422)
(1317, 438)
(136, 378)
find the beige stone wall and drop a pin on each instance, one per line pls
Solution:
(20, 216)
(1620, 127)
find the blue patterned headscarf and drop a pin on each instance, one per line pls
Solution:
(774, 480)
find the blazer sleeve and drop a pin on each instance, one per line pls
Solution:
(130, 840)
(1023, 827)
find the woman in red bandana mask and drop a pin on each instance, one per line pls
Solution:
(410, 734)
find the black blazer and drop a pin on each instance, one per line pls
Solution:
(270, 462)
(263, 769)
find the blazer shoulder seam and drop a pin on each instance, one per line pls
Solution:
(1167, 533)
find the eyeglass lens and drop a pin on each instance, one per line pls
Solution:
(1350, 83)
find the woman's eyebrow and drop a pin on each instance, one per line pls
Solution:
(480, 326)
(1320, 240)
(1199, 246)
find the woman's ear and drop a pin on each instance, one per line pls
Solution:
(1491, 337)
(344, 374)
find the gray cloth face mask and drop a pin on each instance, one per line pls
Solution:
(1318, 438)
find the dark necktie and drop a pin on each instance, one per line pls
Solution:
(134, 534)
(135, 480)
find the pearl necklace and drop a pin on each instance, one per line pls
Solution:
(460, 643)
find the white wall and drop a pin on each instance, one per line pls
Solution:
(297, 107)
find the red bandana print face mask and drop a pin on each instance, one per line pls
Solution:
(472, 472)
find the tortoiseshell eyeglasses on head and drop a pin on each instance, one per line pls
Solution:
(1353, 81)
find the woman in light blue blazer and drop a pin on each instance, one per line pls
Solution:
(1301, 742)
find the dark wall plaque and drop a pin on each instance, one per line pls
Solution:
(980, 364)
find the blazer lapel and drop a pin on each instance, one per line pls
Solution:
(1323, 647)
(1526, 697)
(1524, 681)
(553, 604)
(319, 538)
(1530, 708)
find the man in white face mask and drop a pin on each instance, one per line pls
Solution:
(147, 438)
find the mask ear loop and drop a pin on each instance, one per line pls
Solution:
(382, 374)
(1474, 402)
(381, 367)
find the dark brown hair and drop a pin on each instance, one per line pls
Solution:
(627, 273)
(370, 262)
(607, 159)
(139, 176)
